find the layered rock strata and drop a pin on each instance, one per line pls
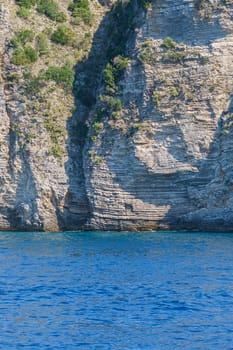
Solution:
(164, 161)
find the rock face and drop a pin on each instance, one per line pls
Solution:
(163, 161)
(168, 156)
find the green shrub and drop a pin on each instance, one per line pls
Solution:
(204, 60)
(24, 56)
(22, 37)
(81, 11)
(168, 43)
(57, 151)
(110, 104)
(175, 56)
(57, 134)
(30, 54)
(85, 42)
(63, 76)
(147, 54)
(120, 63)
(23, 12)
(42, 44)
(113, 73)
(114, 104)
(157, 98)
(99, 114)
(27, 4)
(175, 91)
(18, 57)
(145, 3)
(97, 126)
(50, 9)
(63, 35)
(32, 85)
(109, 79)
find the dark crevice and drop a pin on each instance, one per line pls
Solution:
(111, 39)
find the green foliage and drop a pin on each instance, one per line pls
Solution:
(18, 57)
(23, 53)
(57, 151)
(24, 56)
(30, 54)
(204, 60)
(110, 107)
(114, 104)
(42, 44)
(27, 4)
(109, 79)
(51, 10)
(23, 12)
(145, 4)
(22, 37)
(32, 85)
(168, 43)
(147, 54)
(175, 91)
(113, 73)
(175, 56)
(63, 35)
(97, 127)
(63, 76)
(81, 11)
(99, 113)
(157, 98)
(85, 42)
(57, 133)
(120, 64)
(95, 158)
(29, 136)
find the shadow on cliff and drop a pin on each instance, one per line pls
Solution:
(108, 41)
(189, 28)
(180, 190)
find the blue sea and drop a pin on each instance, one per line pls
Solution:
(116, 291)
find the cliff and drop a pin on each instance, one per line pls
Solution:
(142, 141)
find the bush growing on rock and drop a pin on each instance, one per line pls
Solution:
(169, 43)
(63, 35)
(113, 73)
(23, 12)
(81, 11)
(63, 76)
(50, 9)
(24, 56)
(42, 44)
(22, 37)
(27, 3)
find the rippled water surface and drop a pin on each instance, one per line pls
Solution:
(116, 291)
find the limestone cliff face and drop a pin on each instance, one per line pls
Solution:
(168, 154)
(161, 161)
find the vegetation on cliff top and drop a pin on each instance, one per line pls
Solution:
(47, 52)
